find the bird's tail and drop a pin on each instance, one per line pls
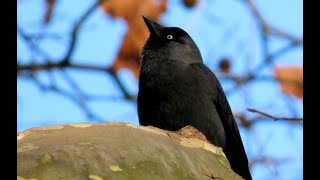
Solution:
(238, 159)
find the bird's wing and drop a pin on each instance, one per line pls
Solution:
(219, 98)
(234, 147)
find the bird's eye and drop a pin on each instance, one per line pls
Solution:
(169, 37)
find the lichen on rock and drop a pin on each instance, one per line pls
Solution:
(118, 151)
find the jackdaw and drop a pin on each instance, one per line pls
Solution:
(177, 89)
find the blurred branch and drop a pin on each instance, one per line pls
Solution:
(268, 30)
(267, 160)
(56, 65)
(32, 68)
(273, 117)
(241, 80)
(245, 121)
(276, 32)
(73, 85)
(65, 62)
(75, 31)
(270, 57)
(121, 86)
(31, 42)
(248, 122)
(79, 102)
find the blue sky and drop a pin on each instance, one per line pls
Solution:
(220, 28)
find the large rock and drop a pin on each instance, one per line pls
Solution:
(118, 151)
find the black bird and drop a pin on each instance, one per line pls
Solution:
(177, 89)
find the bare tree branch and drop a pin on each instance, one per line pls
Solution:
(266, 27)
(57, 65)
(275, 118)
(75, 31)
(272, 56)
(267, 30)
(245, 121)
(74, 85)
(267, 160)
(59, 91)
(241, 80)
(31, 42)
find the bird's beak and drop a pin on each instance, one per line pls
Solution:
(154, 28)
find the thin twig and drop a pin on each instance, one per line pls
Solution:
(81, 104)
(22, 69)
(273, 117)
(31, 43)
(75, 31)
(267, 160)
(73, 85)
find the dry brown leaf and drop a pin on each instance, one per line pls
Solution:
(290, 79)
(137, 33)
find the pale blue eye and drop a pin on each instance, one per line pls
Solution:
(169, 37)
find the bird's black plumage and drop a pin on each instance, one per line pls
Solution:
(177, 89)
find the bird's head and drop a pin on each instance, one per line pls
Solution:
(169, 43)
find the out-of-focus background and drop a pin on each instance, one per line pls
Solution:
(78, 61)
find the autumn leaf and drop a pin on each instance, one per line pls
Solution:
(290, 79)
(137, 33)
